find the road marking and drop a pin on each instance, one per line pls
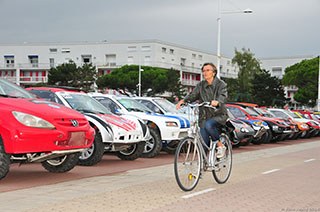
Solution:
(312, 159)
(270, 171)
(198, 193)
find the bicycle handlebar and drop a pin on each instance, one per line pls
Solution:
(206, 104)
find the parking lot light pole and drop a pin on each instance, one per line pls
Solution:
(219, 30)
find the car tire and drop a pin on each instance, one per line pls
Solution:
(61, 164)
(171, 147)
(94, 153)
(152, 146)
(133, 152)
(4, 161)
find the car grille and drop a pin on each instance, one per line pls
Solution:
(74, 139)
(67, 122)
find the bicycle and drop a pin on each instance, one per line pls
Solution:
(191, 158)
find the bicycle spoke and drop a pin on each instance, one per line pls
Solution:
(187, 165)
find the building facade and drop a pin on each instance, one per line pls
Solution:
(27, 64)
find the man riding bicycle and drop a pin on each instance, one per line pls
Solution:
(213, 90)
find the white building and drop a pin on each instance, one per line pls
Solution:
(29, 63)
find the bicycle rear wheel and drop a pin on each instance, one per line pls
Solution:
(187, 164)
(222, 170)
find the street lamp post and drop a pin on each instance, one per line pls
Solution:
(219, 31)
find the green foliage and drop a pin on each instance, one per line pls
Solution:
(267, 90)
(153, 80)
(174, 85)
(305, 76)
(68, 74)
(248, 66)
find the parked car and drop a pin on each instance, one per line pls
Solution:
(288, 114)
(33, 130)
(125, 136)
(261, 128)
(243, 133)
(311, 116)
(164, 107)
(163, 129)
(278, 128)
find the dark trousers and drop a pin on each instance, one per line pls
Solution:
(210, 130)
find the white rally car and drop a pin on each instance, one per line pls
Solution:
(163, 129)
(125, 135)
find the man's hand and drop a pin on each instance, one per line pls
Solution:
(178, 106)
(214, 103)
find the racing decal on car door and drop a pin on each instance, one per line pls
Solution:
(183, 121)
(119, 122)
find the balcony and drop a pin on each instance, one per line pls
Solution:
(33, 79)
(189, 82)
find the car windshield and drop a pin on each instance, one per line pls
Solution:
(293, 115)
(133, 105)
(8, 89)
(251, 112)
(280, 114)
(166, 105)
(264, 112)
(84, 103)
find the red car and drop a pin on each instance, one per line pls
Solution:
(34, 130)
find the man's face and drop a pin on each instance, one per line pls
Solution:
(207, 72)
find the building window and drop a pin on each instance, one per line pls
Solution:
(200, 57)
(194, 56)
(164, 50)
(65, 50)
(182, 61)
(53, 50)
(132, 48)
(86, 58)
(111, 59)
(130, 60)
(146, 48)
(9, 61)
(171, 51)
(34, 60)
(147, 60)
(277, 71)
(51, 60)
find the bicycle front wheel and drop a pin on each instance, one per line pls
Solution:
(187, 164)
(222, 169)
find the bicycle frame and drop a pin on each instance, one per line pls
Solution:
(195, 133)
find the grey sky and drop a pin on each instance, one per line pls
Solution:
(276, 28)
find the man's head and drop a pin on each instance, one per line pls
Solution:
(209, 70)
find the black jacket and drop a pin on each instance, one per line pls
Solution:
(206, 93)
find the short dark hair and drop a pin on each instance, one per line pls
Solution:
(210, 64)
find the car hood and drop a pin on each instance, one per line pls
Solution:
(39, 108)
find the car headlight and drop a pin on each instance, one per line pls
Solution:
(275, 127)
(171, 124)
(32, 121)
(304, 126)
(244, 130)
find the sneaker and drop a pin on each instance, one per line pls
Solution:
(221, 151)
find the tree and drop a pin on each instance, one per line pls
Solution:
(174, 85)
(248, 66)
(305, 76)
(267, 90)
(68, 74)
(153, 80)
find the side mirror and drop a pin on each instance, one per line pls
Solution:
(118, 112)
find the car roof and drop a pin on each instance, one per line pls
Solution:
(53, 89)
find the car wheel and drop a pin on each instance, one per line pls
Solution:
(4, 161)
(61, 164)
